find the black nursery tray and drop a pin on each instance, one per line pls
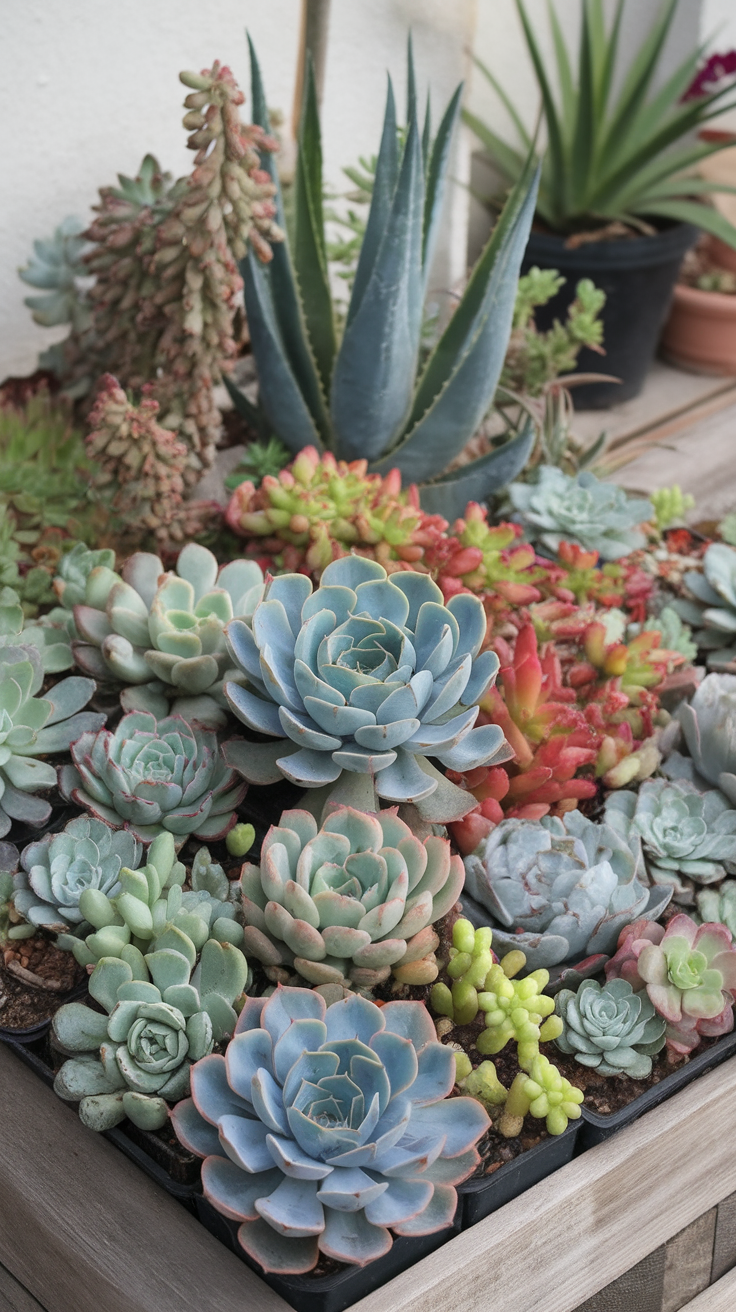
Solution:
(485, 1194)
(596, 1128)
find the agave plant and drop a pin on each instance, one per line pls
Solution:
(153, 776)
(32, 727)
(610, 1028)
(154, 1025)
(346, 902)
(323, 1129)
(685, 833)
(369, 398)
(711, 608)
(597, 516)
(59, 868)
(560, 888)
(367, 675)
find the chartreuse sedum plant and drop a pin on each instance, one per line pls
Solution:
(619, 148)
(365, 677)
(558, 507)
(350, 901)
(370, 396)
(328, 1130)
(34, 727)
(671, 505)
(136, 1055)
(610, 1028)
(541, 1091)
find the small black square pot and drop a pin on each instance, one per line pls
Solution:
(480, 1197)
(32, 1033)
(335, 1292)
(596, 1128)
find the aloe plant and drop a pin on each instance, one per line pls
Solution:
(369, 397)
(617, 149)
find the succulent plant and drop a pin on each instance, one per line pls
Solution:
(709, 725)
(597, 516)
(676, 634)
(543, 1092)
(318, 1125)
(711, 607)
(560, 888)
(471, 958)
(32, 727)
(50, 640)
(240, 839)
(159, 1019)
(56, 268)
(482, 1083)
(689, 972)
(684, 833)
(58, 868)
(75, 567)
(535, 359)
(415, 419)
(162, 634)
(259, 460)
(154, 776)
(717, 904)
(610, 1027)
(319, 509)
(347, 902)
(489, 560)
(671, 505)
(367, 675)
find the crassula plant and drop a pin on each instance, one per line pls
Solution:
(157, 1020)
(153, 776)
(325, 1130)
(610, 1028)
(687, 836)
(596, 516)
(58, 868)
(365, 675)
(347, 902)
(560, 888)
(689, 973)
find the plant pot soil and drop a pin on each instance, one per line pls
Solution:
(26, 1009)
(504, 1181)
(700, 333)
(638, 276)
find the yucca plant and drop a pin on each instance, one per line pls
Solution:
(623, 155)
(368, 396)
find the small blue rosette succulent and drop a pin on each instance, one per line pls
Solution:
(324, 1129)
(597, 516)
(366, 675)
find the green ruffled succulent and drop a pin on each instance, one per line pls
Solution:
(711, 608)
(160, 1017)
(33, 727)
(350, 901)
(610, 1028)
(687, 835)
(59, 868)
(597, 516)
(161, 634)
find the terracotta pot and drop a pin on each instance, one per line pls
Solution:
(700, 334)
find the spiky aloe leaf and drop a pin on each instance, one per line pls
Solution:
(310, 257)
(437, 177)
(479, 480)
(459, 382)
(375, 369)
(384, 187)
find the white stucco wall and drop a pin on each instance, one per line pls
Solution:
(89, 87)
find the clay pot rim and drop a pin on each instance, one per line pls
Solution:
(721, 305)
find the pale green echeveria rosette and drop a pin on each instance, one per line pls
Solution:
(327, 1130)
(559, 889)
(711, 607)
(610, 1028)
(58, 868)
(153, 776)
(161, 635)
(365, 677)
(597, 516)
(709, 727)
(33, 727)
(347, 902)
(690, 976)
(689, 837)
(70, 583)
(50, 640)
(158, 1019)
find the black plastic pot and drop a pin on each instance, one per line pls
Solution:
(596, 1128)
(480, 1197)
(32, 1033)
(334, 1292)
(638, 277)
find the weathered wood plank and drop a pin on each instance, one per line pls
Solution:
(592, 1220)
(637, 1290)
(667, 393)
(724, 1248)
(84, 1229)
(721, 1297)
(689, 1257)
(13, 1297)
(699, 458)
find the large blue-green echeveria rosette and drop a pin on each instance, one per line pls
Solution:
(324, 1129)
(709, 728)
(560, 889)
(367, 675)
(597, 516)
(711, 606)
(59, 868)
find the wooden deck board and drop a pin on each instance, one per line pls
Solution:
(721, 1297)
(13, 1297)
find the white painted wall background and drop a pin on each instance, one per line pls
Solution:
(90, 86)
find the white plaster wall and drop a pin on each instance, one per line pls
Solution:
(90, 86)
